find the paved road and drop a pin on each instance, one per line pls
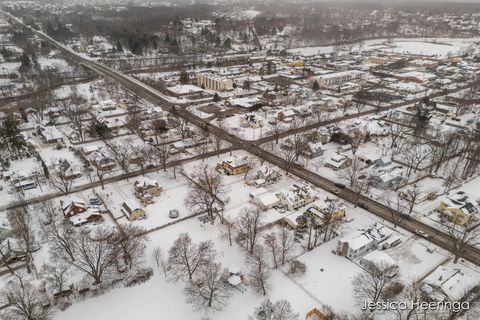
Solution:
(439, 238)
(106, 181)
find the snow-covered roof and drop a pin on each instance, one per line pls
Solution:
(182, 89)
(268, 198)
(258, 191)
(145, 182)
(73, 200)
(235, 161)
(131, 205)
(379, 258)
(364, 236)
(51, 133)
(453, 280)
(462, 201)
(82, 217)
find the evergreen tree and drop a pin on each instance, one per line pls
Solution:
(246, 85)
(227, 43)
(119, 47)
(11, 135)
(270, 67)
(184, 77)
(46, 173)
(216, 97)
(25, 63)
(315, 86)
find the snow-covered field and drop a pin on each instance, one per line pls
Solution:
(426, 46)
(161, 297)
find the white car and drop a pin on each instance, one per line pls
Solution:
(173, 214)
(422, 233)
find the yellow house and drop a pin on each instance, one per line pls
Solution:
(322, 212)
(459, 208)
(297, 64)
(132, 209)
(234, 165)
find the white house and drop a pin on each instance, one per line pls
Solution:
(50, 134)
(450, 282)
(296, 197)
(360, 242)
(267, 200)
(380, 260)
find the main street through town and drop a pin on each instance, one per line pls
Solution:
(142, 90)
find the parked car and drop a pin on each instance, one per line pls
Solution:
(422, 233)
(94, 202)
(340, 185)
(363, 205)
(173, 214)
(334, 190)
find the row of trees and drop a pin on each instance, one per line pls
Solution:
(99, 256)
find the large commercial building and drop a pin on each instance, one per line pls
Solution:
(214, 82)
(339, 78)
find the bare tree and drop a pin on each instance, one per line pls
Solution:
(395, 207)
(217, 140)
(286, 239)
(299, 144)
(462, 236)
(162, 154)
(209, 289)
(248, 225)
(226, 231)
(396, 133)
(370, 284)
(185, 257)
(61, 181)
(273, 247)
(21, 223)
(101, 170)
(159, 258)
(355, 139)
(183, 127)
(76, 113)
(414, 293)
(415, 155)
(353, 175)
(207, 192)
(133, 119)
(56, 229)
(23, 301)
(201, 143)
(129, 242)
(410, 196)
(280, 310)
(141, 156)
(121, 154)
(288, 154)
(56, 275)
(443, 147)
(94, 253)
(276, 129)
(259, 270)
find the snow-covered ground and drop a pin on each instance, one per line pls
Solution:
(426, 46)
